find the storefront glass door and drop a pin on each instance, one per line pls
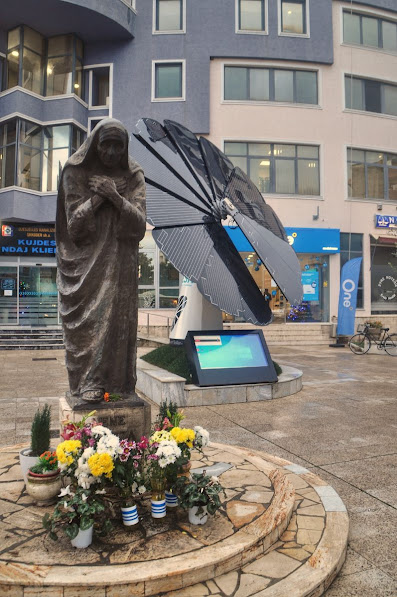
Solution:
(38, 296)
(8, 295)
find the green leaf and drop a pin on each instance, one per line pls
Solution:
(71, 530)
(53, 536)
(86, 523)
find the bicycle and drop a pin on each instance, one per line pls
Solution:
(361, 342)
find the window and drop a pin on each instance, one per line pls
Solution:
(278, 168)
(370, 95)
(372, 174)
(25, 56)
(293, 17)
(56, 71)
(351, 246)
(36, 161)
(369, 31)
(270, 84)
(251, 15)
(99, 87)
(169, 15)
(7, 154)
(168, 81)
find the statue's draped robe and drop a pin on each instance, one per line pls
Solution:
(97, 253)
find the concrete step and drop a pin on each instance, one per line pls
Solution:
(31, 346)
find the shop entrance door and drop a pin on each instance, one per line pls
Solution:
(8, 295)
(38, 295)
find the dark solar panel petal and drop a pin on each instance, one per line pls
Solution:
(189, 148)
(155, 137)
(216, 267)
(162, 209)
(219, 167)
(277, 256)
(248, 200)
(159, 175)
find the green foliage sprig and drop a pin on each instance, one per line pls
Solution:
(40, 431)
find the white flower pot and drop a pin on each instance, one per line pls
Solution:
(130, 515)
(195, 518)
(83, 538)
(26, 462)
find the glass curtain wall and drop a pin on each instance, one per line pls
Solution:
(47, 67)
(351, 246)
(25, 59)
(8, 295)
(40, 153)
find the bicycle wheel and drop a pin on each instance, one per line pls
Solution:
(391, 345)
(359, 344)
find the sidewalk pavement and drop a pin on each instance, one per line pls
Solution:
(342, 426)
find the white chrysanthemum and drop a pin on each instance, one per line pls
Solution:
(167, 452)
(141, 489)
(202, 436)
(110, 444)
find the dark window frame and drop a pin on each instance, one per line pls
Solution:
(157, 19)
(366, 83)
(303, 3)
(380, 21)
(263, 18)
(73, 129)
(45, 60)
(157, 67)
(276, 157)
(368, 164)
(271, 71)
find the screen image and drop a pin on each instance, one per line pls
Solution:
(230, 352)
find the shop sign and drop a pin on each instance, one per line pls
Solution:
(27, 239)
(385, 221)
(388, 288)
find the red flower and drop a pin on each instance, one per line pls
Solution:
(106, 397)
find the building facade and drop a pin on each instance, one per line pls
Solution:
(301, 94)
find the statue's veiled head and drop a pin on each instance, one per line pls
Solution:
(106, 147)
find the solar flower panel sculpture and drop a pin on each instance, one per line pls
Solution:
(192, 187)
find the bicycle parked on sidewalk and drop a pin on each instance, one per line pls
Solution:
(361, 342)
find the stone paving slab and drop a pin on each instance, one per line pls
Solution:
(274, 528)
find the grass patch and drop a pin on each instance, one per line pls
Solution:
(174, 360)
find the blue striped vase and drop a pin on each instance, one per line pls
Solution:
(158, 508)
(130, 515)
(171, 499)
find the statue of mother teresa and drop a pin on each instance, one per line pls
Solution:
(99, 223)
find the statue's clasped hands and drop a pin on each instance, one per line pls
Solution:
(103, 185)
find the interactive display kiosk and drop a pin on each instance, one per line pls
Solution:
(229, 357)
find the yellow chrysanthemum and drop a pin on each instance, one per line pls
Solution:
(101, 464)
(160, 436)
(66, 448)
(183, 436)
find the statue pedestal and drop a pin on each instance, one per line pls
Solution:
(127, 418)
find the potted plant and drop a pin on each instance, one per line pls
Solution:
(199, 496)
(39, 440)
(77, 512)
(43, 479)
(163, 453)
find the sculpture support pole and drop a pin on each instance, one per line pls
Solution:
(193, 312)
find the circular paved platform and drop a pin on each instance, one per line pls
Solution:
(281, 531)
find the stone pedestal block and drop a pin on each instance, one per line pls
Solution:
(128, 418)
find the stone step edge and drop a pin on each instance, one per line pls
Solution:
(240, 548)
(316, 575)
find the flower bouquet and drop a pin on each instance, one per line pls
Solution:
(163, 453)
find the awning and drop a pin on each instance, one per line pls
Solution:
(383, 240)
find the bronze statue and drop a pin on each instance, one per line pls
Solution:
(100, 221)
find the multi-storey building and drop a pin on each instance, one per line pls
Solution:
(301, 94)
